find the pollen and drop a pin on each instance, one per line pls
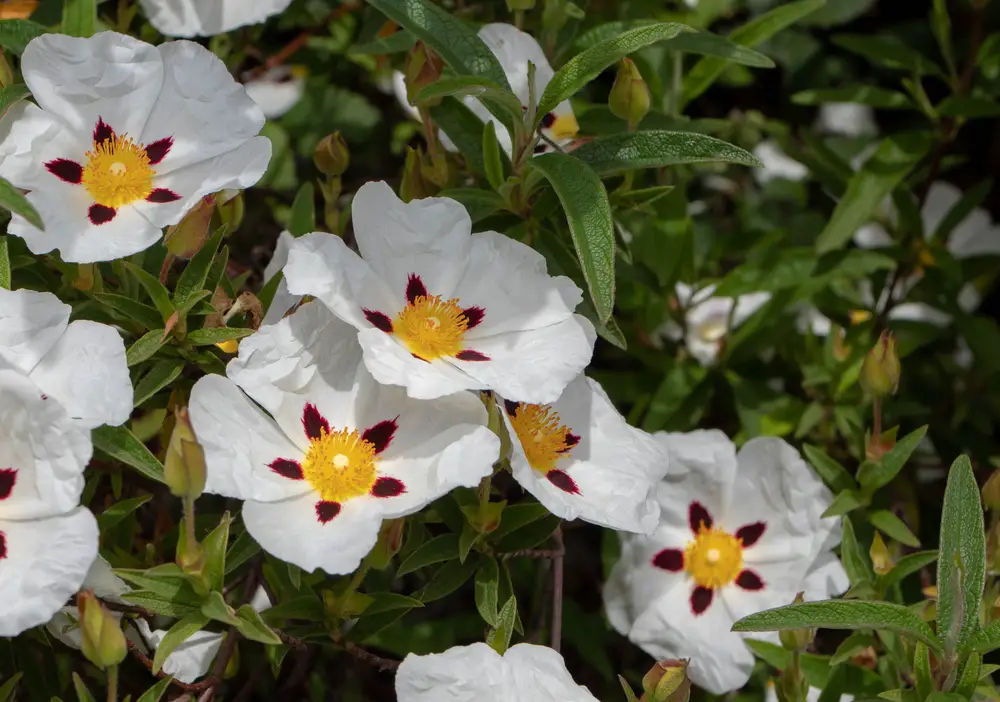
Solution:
(542, 436)
(431, 328)
(118, 172)
(714, 558)
(340, 465)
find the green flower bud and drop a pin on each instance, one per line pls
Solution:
(667, 681)
(797, 639)
(880, 371)
(184, 463)
(991, 491)
(186, 238)
(390, 540)
(413, 187)
(879, 553)
(331, 155)
(103, 642)
(629, 99)
(229, 204)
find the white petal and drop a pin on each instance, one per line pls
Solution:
(87, 373)
(108, 76)
(920, 312)
(941, 197)
(282, 300)
(399, 90)
(474, 673)
(539, 674)
(777, 164)
(702, 468)
(872, 236)
(46, 561)
(615, 466)
(188, 18)
(44, 446)
(747, 304)
(28, 138)
(969, 298)
(390, 363)
(102, 580)
(811, 320)
(848, 118)
(276, 92)
(291, 530)
(534, 365)
(240, 442)
(30, 325)
(826, 578)
(191, 659)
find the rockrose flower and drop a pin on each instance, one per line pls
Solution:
(203, 18)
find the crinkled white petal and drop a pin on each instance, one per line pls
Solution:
(703, 467)
(276, 92)
(392, 363)
(31, 323)
(190, 18)
(777, 164)
(191, 659)
(282, 300)
(848, 118)
(826, 578)
(920, 312)
(45, 562)
(29, 137)
(811, 320)
(539, 674)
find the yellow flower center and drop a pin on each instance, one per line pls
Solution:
(118, 172)
(542, 436)
(714, 558)
(713, 330)
(340, 465)
(431, 327)
(859, 316)
(565, 128)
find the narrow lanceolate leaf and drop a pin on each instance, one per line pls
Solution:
(12, 94)
(121, 444)
(907, 565)
(588, 213)
(11, 199)
(178, 634)
(587, 65)
(79, 18)
(751, 34)
(144, 347)
(875, 475)
(477, 87)
(842, 614)
(895, 158)
(154, 693)
(961, 555)
(708, 44)
(16, 33)
(865, 94)
(463, 128)
(4, 263)
(655, 149)
(986, 640)
(456, 42)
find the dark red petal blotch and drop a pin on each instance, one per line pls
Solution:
(511, 407)
(8, 477)
(571, 440)
(381, 434)
(562, 481)
(698, 517)
(474, 315)
(313, 422)
(66, 170)
(325, 511)
(101, 214)
(701, 598)
(103, 131)
(670, 559)
(3, 546)
(286, 468)
(162, 195)
(415, 288)
(378, 320)
(470, 355)
(749, 534)
(549, 119)
(388, 487)
(156, 151)
(748, 580)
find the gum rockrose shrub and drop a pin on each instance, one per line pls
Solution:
(521, 351)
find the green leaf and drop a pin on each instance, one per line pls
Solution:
(7, 689)
(216, 335)
(157, 292)
(192, 280)
(253, 627)
(845, 501)
(499, 637)
(874, 475)
(487, 584)
(923, 679)
(872, 95)
(888, 51)
(4, 264)
(456, 43)
(12, 200)
(393, 44)
(832, 473)
(508, 105)
(114, 514)
(389, 601)
(891, 525)
(440, 548)
(215, 608)
(493, 161)
(159, 376)
(985, 640)
(307, 607)
(842, 614)
(82, 693)
(854, 558)
(708, 44)
(448, 578)
(131, 309)
(214, 547)
(655, 149)
(754, 32)
(969, 679)
(12, 94)
(157, 604)
(961, 572)
(15, 34)
(243, 549)
(479, 203)
(79, 18)
(627, 689)
(970, 200)
(144, 347)
(303, 217)
(464, 128)
(907, 565)
(588, 64)
(945, 697)
(585, 202)
(896, 156)
(178, 634)
(969, 107)
(122, 445)
(520, 515)
(154, 693)
(851, 646)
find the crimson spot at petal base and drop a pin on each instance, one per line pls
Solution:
(162, 195)
(748, 580)
(325, 511)
(380, 435)
(571, 440)
(671, 559)
(511, 407)
(103, 132)
(100, 214)
(562, 481)
(474, 315)
(470, 355)
(378, 320)
(8, 476)
(415, 288)
(549, 119)
(699, 517)
(66, 170)
(157, 150)
(3, 546)
(388, 487)
(701, 598)
(749, 534)
(313, 422)
(286, 468)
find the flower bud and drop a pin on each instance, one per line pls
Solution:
(229, 204)
(186, 238)
(991, 491)
(413, 186)
(184, 463)
(422, 67)
(667, 681)
(103, 642)
(331, 155)
(629, 99)
(881, 558)
(6, 74)
(797, 639)
(880, 371)
(390, 540)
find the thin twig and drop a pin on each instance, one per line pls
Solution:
(382, 664)
(557, 590)
(289, 49)
(148, 663)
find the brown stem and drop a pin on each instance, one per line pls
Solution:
(557, 589)
(382, 664)
(289, 49)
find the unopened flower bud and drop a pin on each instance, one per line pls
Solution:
(186, 238)
(229, 204)
(413, 186)
(629, 99)
(331, 155)
(667, 681)
(991, 491)
(422, 68)
(184, 463)
(879, 553)
(390, 540)
(102, 640)
(797, 639)
(880, 371)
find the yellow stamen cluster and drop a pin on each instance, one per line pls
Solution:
(118, 172)
(714, 558)
(431, 327)
(541, 434)
(340, 465)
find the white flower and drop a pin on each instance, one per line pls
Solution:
(125, 139)
(80, 364)
(47, 542)
(342, 451)
(203, 18)
(738, 533)
(193, 658)
(708, 320)
(848, 118)
(525, 673)
(439, 309)
(105, 585)
(277, 90)
(777, 164)
(594, 467)
(283, 300)
(513, 49)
